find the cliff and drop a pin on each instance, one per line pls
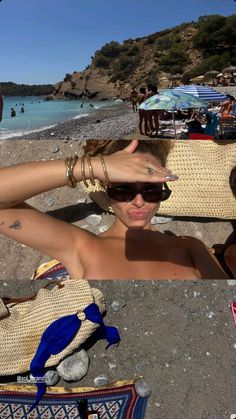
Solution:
(173, 54)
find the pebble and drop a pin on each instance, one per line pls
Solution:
(142, 389)
(94, 219)
(139, 367)
(112, 365)
(196, 294)
(211, 315)
(101, 380)
(54, 148)
(52, 134)
(103, 228)
(231, 282)
(51, 378)
(49, 201)
(81, 201)
(161, 220)
(117, 305)
(74, 367)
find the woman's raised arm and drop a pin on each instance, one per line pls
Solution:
(40, 231)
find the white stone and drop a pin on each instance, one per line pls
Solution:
(94, 219)
(74, 367)
(51, 377)
(54, 148)
(101, 380)
(161, 220)
(142, 389)
(103, 228)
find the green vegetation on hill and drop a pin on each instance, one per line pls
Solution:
(13, 89)
(215, 39)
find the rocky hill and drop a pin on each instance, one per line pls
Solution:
(179, 53)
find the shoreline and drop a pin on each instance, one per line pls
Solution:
(111, 122)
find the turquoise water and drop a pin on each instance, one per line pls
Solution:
(40, 114)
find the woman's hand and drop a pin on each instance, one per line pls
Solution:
(128, 166)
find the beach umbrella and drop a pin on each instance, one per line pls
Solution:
(198, 78)
(175, 77)
(231, 69)
(211, 74)
(201, 92)
(170, 100)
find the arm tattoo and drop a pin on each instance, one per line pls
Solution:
(2, 223)
(16, 225)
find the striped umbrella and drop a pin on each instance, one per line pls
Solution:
(201, 92)
(172, 100)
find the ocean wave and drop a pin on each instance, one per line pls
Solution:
(80, 116)
(13, 134)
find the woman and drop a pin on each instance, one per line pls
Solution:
(137, 183)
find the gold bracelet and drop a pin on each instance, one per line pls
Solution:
(83, 172)
(70, 163)
(104, 170)
(91, 175)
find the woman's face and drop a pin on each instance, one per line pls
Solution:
(136, 212)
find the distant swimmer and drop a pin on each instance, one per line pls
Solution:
(82, 105)
(92, 106)
(1, 107)
(13, 112)
(22, 109)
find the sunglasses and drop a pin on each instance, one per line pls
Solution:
(150, 193)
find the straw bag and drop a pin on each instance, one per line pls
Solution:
(203, 188)
(22, 324)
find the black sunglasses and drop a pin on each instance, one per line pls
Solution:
(150, 193)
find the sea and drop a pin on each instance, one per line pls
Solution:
(40, 114)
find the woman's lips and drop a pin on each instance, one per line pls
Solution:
(138, 214)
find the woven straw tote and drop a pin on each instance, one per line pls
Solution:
(22, 324)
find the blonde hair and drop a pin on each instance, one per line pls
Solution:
(158, 148)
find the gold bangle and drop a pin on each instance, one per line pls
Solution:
(70, 163)
(104, 170)
(83, 172)
(91, 175)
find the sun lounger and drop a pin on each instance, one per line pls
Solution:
(228, 127)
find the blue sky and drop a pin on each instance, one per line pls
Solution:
(42, 40)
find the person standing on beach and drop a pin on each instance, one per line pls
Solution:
(134, 99)
(142, 112)
(1, 107)
(153, 116)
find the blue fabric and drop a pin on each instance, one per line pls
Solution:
(234, 110)
(57, 337)
(211, 126)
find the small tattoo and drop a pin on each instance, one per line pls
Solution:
(16, 225)
(2, 223)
